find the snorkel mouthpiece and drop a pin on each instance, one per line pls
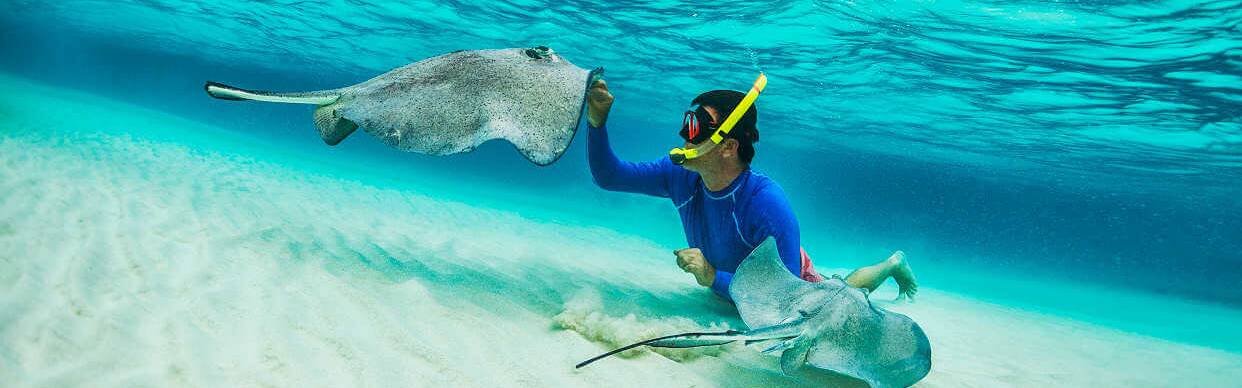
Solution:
(679, 155)
(676, 157)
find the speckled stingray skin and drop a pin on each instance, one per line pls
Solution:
(836, 326)
(531, 97)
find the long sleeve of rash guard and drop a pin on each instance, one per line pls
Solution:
(612, 173)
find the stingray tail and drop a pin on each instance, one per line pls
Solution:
(669, 341)
(225, 92)
(333, 128)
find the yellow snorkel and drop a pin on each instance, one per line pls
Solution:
(680, 155)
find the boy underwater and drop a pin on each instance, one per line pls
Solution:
(726, 208)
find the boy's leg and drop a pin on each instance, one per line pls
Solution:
(872, 276)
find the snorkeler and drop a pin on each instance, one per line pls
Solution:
(725, 207)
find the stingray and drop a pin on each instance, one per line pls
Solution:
(531, 97)
(827, 325)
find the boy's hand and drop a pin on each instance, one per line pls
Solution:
(599, 102)
(692, 261)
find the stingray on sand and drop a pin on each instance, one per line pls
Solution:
(828, 325)
(531, 97)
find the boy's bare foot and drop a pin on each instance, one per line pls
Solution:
(907, 286)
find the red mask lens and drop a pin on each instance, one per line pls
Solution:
(689, 126)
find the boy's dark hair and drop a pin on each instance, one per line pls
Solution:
(745, 131)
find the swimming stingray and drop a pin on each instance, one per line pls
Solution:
(828, 325)
(448, 104)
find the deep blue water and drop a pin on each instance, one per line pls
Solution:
(1092, 141)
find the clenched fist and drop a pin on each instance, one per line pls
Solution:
(599, 102)
(692, 261)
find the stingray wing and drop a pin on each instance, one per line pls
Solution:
(455, 102)
(764, 290)
(541, 125)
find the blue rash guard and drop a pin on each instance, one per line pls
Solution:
(725, 225)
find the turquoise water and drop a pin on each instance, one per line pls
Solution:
(1039, 155)
(1101, 138)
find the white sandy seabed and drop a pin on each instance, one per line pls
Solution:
(131, 260)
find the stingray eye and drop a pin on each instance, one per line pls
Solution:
(535, 54)
(539, 52)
